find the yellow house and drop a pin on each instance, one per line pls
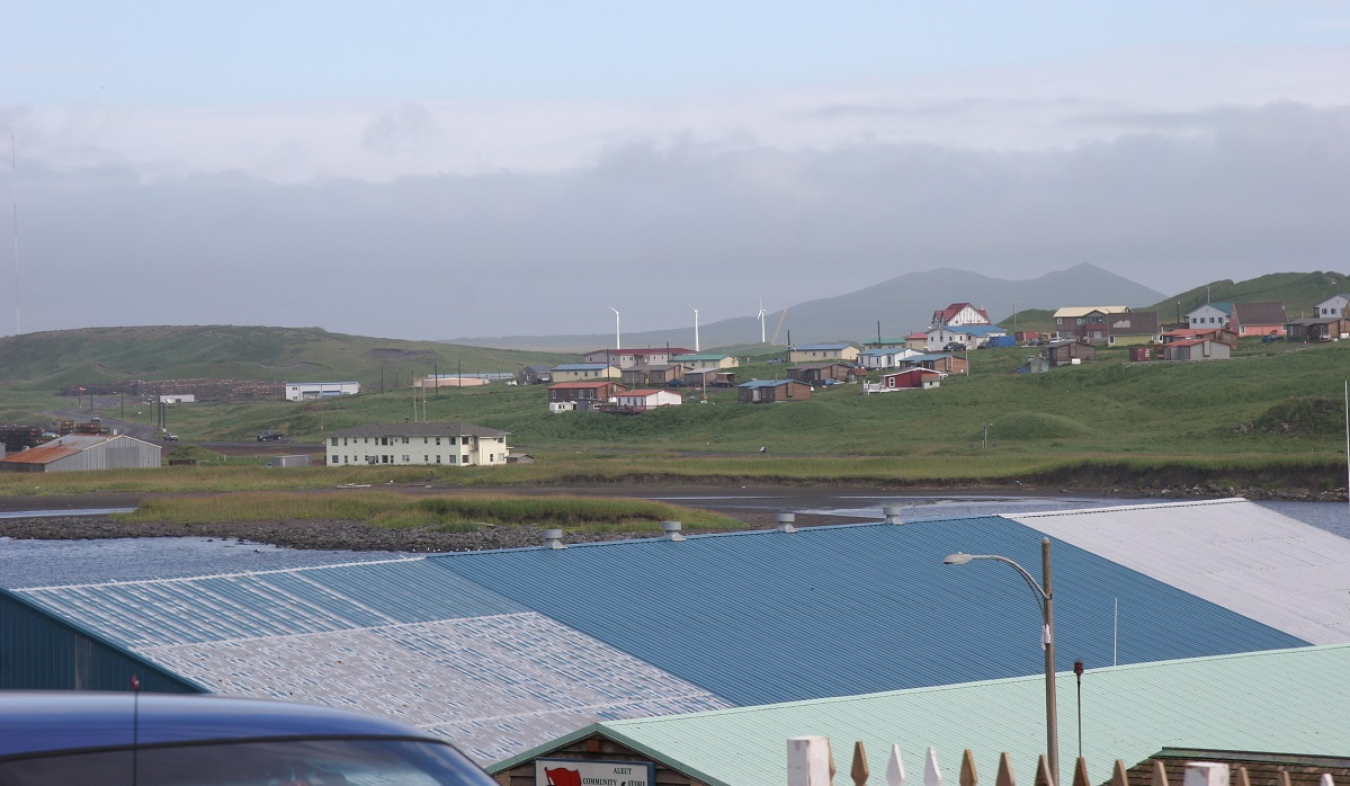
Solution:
(811, 353)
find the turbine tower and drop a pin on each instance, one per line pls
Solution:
(617, 345)
(760, 316)
(696, 346)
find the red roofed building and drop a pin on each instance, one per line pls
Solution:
(960, 314)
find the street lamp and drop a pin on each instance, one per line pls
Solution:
(1045, 600)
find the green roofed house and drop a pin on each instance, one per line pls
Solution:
(1289, 701)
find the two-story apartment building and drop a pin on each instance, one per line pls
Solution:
(449, 444)
(627, 358)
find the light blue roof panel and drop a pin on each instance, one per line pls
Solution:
(769, 617)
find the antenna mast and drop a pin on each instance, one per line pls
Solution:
(14, 168)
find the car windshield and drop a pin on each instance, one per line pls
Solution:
(278, 763)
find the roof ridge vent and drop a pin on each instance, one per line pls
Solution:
(552, 539)
(672, 530)
(785, 522)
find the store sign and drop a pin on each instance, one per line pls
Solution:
(585, 772)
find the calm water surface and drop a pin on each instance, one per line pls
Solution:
(36, 563)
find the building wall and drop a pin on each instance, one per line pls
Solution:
(42, 652)
(460, 451)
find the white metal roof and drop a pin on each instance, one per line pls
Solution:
(1289, 575)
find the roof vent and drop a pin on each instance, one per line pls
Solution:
(552, 539)
(672, 530)
(785, 522)
(892, 514)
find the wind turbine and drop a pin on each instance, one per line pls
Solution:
(760, 317)
(616, 327)
(696, 347)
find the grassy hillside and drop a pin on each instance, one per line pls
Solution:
(1299, 292)
(1273, 401)
(48, 361)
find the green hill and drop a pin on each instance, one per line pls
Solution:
(1299, 292)
(51, 360)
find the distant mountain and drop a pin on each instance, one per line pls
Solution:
(902, 305)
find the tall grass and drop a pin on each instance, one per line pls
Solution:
(397, 510)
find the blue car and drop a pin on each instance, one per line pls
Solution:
(159, 739)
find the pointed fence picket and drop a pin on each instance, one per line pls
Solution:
(811, 758)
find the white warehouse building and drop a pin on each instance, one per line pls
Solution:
(308, 391)
(455, 444)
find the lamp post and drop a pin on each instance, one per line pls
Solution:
(1045, 600)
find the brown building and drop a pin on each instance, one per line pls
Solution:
(768, 391)
(583, 391)
(816, 373)
(1065, 353)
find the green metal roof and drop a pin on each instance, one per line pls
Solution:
(1293, 701)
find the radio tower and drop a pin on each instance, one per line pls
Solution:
(14, 168)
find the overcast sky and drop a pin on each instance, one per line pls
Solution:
(445, 169)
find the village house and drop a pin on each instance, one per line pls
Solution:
(580, 372)
(885, 357)
(653, 375)
(812, 353)
(1333, 306)
(818, 373)
(907, 379)
(768, 391)
(1197, 349)
(969, 336)
(535, 375)
(942, 362)
(635, 401)
(710, 378)
(449, 444)
(958, 314)
(1069, 353)
(598, 391)
(1244, 319)
(1318, 329)
(1077, 322)
(1219, 334)
(627, 358)
(705, 361)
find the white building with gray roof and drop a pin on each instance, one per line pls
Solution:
(453, 444)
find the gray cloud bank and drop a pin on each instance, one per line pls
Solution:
(657, 226)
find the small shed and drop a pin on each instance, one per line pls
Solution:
(1197, 349)
(1066, 353)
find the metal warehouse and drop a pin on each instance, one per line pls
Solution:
(76, 452)
(503, 651)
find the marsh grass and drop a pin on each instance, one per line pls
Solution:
(448, 514)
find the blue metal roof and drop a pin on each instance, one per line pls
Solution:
(770, 617)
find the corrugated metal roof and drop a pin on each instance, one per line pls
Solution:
(768, 617)
(1259, 563)
(1288, 701)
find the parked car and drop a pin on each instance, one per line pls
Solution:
(270, 436)
(158, 739)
